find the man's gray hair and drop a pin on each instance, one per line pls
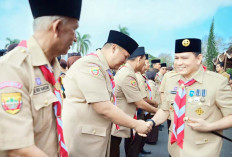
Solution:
(43, 22)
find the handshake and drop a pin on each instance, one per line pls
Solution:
(143, 128)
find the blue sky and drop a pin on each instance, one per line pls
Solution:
(154, 24)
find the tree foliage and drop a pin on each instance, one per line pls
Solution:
(166, 58)
(11, 41)
(82, 44)
(123, 30)
(212, 50)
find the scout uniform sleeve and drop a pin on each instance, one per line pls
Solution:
(16, 123)
(142, 85)
(130, 89)
(92, 83)
(161, 88)
(224, 98)
(165, 105)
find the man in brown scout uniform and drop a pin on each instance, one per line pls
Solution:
(88, 110)
(31, 103)
(163, 69)
(190, 96)
(139, 141)
(220, 70)
(129, 97)
(155, 64)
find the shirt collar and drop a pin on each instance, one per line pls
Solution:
(38, 57)
(221, 72)
(129, 66)
(198, 76)
(102, 58)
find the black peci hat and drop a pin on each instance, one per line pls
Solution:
(188, 45)
(163, 65)
(155, 61)
(147, 56)
(140, 51)
(69, 8)
(122, 40)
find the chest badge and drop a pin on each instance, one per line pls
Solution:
(38, 81)
(191, 93)
(199, 111)
(203, 95)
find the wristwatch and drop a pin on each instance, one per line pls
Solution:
(151, 121)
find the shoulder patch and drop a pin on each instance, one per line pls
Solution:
(133, 81)
(94, 69)
(11, 102)
(10, 84)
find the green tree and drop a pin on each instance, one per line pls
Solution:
(212, 51)
(229, 71)
(11, 41)
(229, 45)
(166, 58)
(82, 44)
(123, 30)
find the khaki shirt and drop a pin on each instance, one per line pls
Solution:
(217, 104)
(142, 85)
(154, 91)
(159, 77)
(127, 92)
(86, 132)
(225, 74)
(34, 122)
(168, 74)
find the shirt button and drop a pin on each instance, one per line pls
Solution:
(23, 51)
(94, 132)
(46, 102)
(206, 140)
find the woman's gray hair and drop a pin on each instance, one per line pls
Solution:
(43, 22)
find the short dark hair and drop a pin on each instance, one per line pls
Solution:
(170, 68)
(221, 64)
(133, 58)
(63, 63)
(151, 75)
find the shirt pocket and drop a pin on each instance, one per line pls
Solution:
(200, 109)
(43, 113)
(93, 130)
(206, 137)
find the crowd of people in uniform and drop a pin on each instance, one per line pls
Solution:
(85, 106)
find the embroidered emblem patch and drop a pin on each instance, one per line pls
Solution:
(94, 71)
(199, 111)
(38, 81)
(11, 102)
(10, 84)
(185, 42)
(133, 83)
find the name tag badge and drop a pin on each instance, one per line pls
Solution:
(172, 92)
(41, 89)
